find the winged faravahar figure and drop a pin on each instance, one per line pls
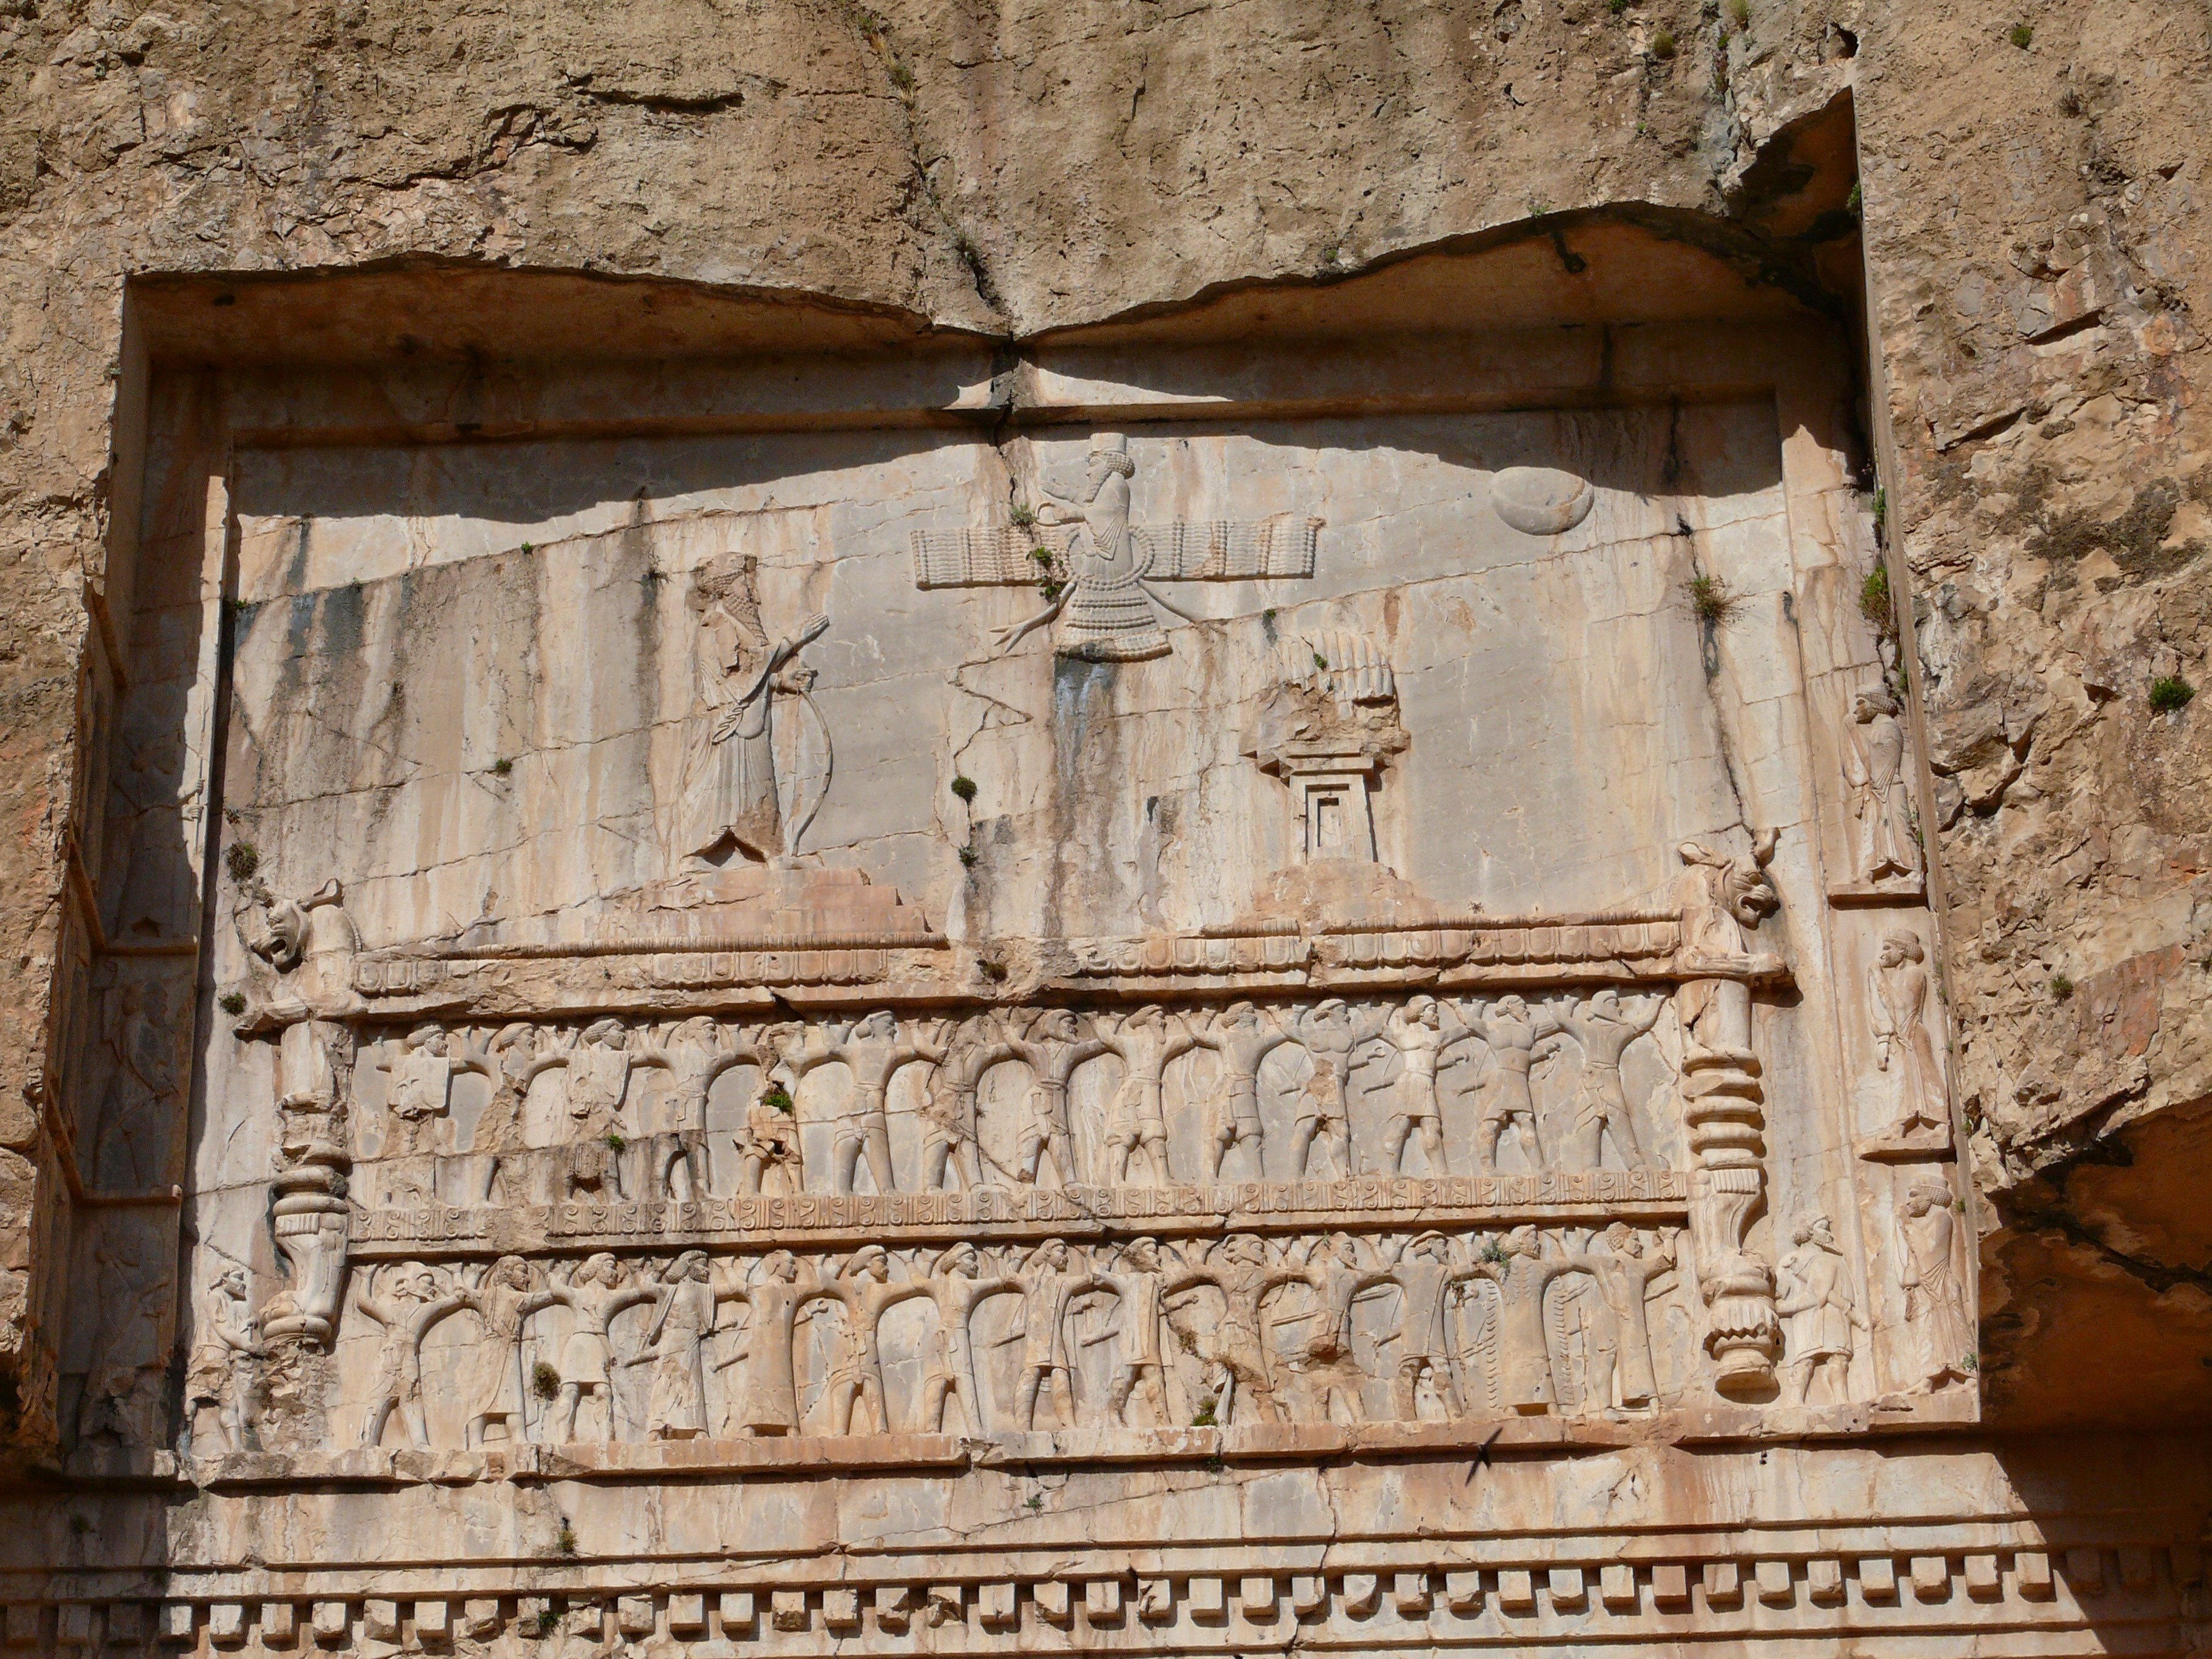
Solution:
(1105, 601)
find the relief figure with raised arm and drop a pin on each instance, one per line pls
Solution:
(1242, 1037)
(1604, 1027)
(1511, 1029)
(1137, 1128)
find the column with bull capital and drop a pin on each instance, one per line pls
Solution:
(1723, 898)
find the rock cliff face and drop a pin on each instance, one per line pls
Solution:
(1960, 254)
(2036, 247)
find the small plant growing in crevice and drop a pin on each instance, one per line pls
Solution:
(1855, 204)
(1492, 1252)
(530, 547)
(241, 859)
(547, 1624)
(777, 1098)
(1711, 600)
(1739, 12)
(565, 1540)
(545, 1381)
(901, 75)
(967, 856)
(964, 787)
(615, 1142)
(1036, 1501)
(992, 969)
(2062, 988)
(1321, 662)
(1664, 45)
(1875, 602)
(232, 1003)
(1203, 1417)
(2021, 35)
(1022, 514)
(501, 767)
(2169, 692)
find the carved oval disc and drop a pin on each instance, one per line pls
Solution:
(1541, 501)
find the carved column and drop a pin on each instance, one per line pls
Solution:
(308, 1215)
(1723, 1108)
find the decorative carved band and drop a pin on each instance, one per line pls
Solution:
(1266, 1205)
(1479, 1597)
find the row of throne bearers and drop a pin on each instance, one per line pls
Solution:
(1262, 1357)
(1404, 1049)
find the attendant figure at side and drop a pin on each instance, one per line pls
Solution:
(1884, 848)
(1935, 1303)
(1812, 1295)
(1897, 993)
(220, 1374)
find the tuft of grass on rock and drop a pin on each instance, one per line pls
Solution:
(1739, 14)
(2021, 35)
(231, 1003)
(1664, 45)
(2062, 988)
(241, 859)
(2169, 692)
(1711, 600)
(964, 787)
(545, 1381)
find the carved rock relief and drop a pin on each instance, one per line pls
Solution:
(706, 1132)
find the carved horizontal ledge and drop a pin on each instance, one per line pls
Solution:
(1021, 1450)
(1648, 941)
(680, 944)
(1209, 964)
(1589, 1195)
(1385, 1600)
